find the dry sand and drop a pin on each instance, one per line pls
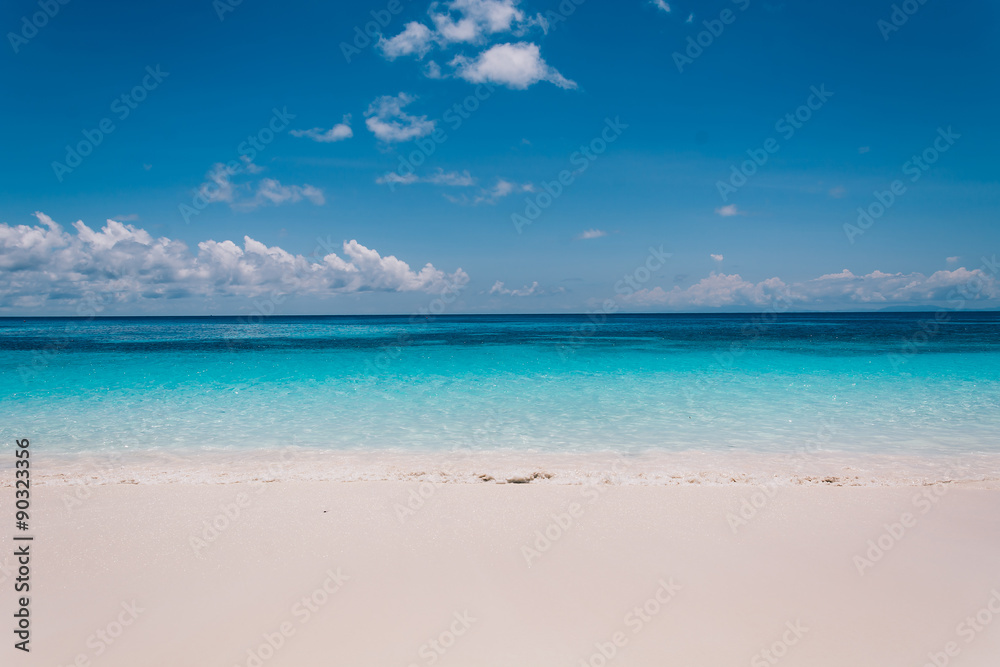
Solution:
(374, 573)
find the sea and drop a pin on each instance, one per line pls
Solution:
(175, 391)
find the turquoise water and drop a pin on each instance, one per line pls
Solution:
(883, 383)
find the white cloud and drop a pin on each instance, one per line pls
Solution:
(842, 289)
(458, 22)
(478, 22)
(690, 18)
(386, 119)
(338, 132)
(662, 5)
(501, 189)
(717, 258)
(471, 20)
(532, 290)
(433, 71)
(452, 178)
(516, 66)
(726, 211)
(392, 178)
(416, 39)
(438, 177)
(492, 195)
(271, 191)
(219, 188)
(43, 264)
(952, 260)
(592, 234)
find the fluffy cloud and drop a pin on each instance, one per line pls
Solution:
(592, 234)
(416, 39)
(386, 119)
(727, 211)
(661, 5)
(498, 288)
(43, 264)
(471, 20)
(717, 258)
(513, 65)
(477, 22)
(338, 132)
(835, 289)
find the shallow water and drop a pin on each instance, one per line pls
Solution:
(894, 384)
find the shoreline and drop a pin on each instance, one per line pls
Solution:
(692, 468)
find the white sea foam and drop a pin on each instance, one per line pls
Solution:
(826, 468)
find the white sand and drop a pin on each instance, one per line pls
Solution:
(461, 553)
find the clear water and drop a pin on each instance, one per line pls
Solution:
(867, 383)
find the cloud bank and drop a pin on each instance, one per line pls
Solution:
(43, 264)
(835, 290)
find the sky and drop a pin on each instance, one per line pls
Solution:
(497, 156)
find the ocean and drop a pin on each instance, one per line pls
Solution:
(899, 383)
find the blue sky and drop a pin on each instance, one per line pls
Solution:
(539, 81)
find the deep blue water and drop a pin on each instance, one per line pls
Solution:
(890, 383)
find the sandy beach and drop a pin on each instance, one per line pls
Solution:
(409, 573)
